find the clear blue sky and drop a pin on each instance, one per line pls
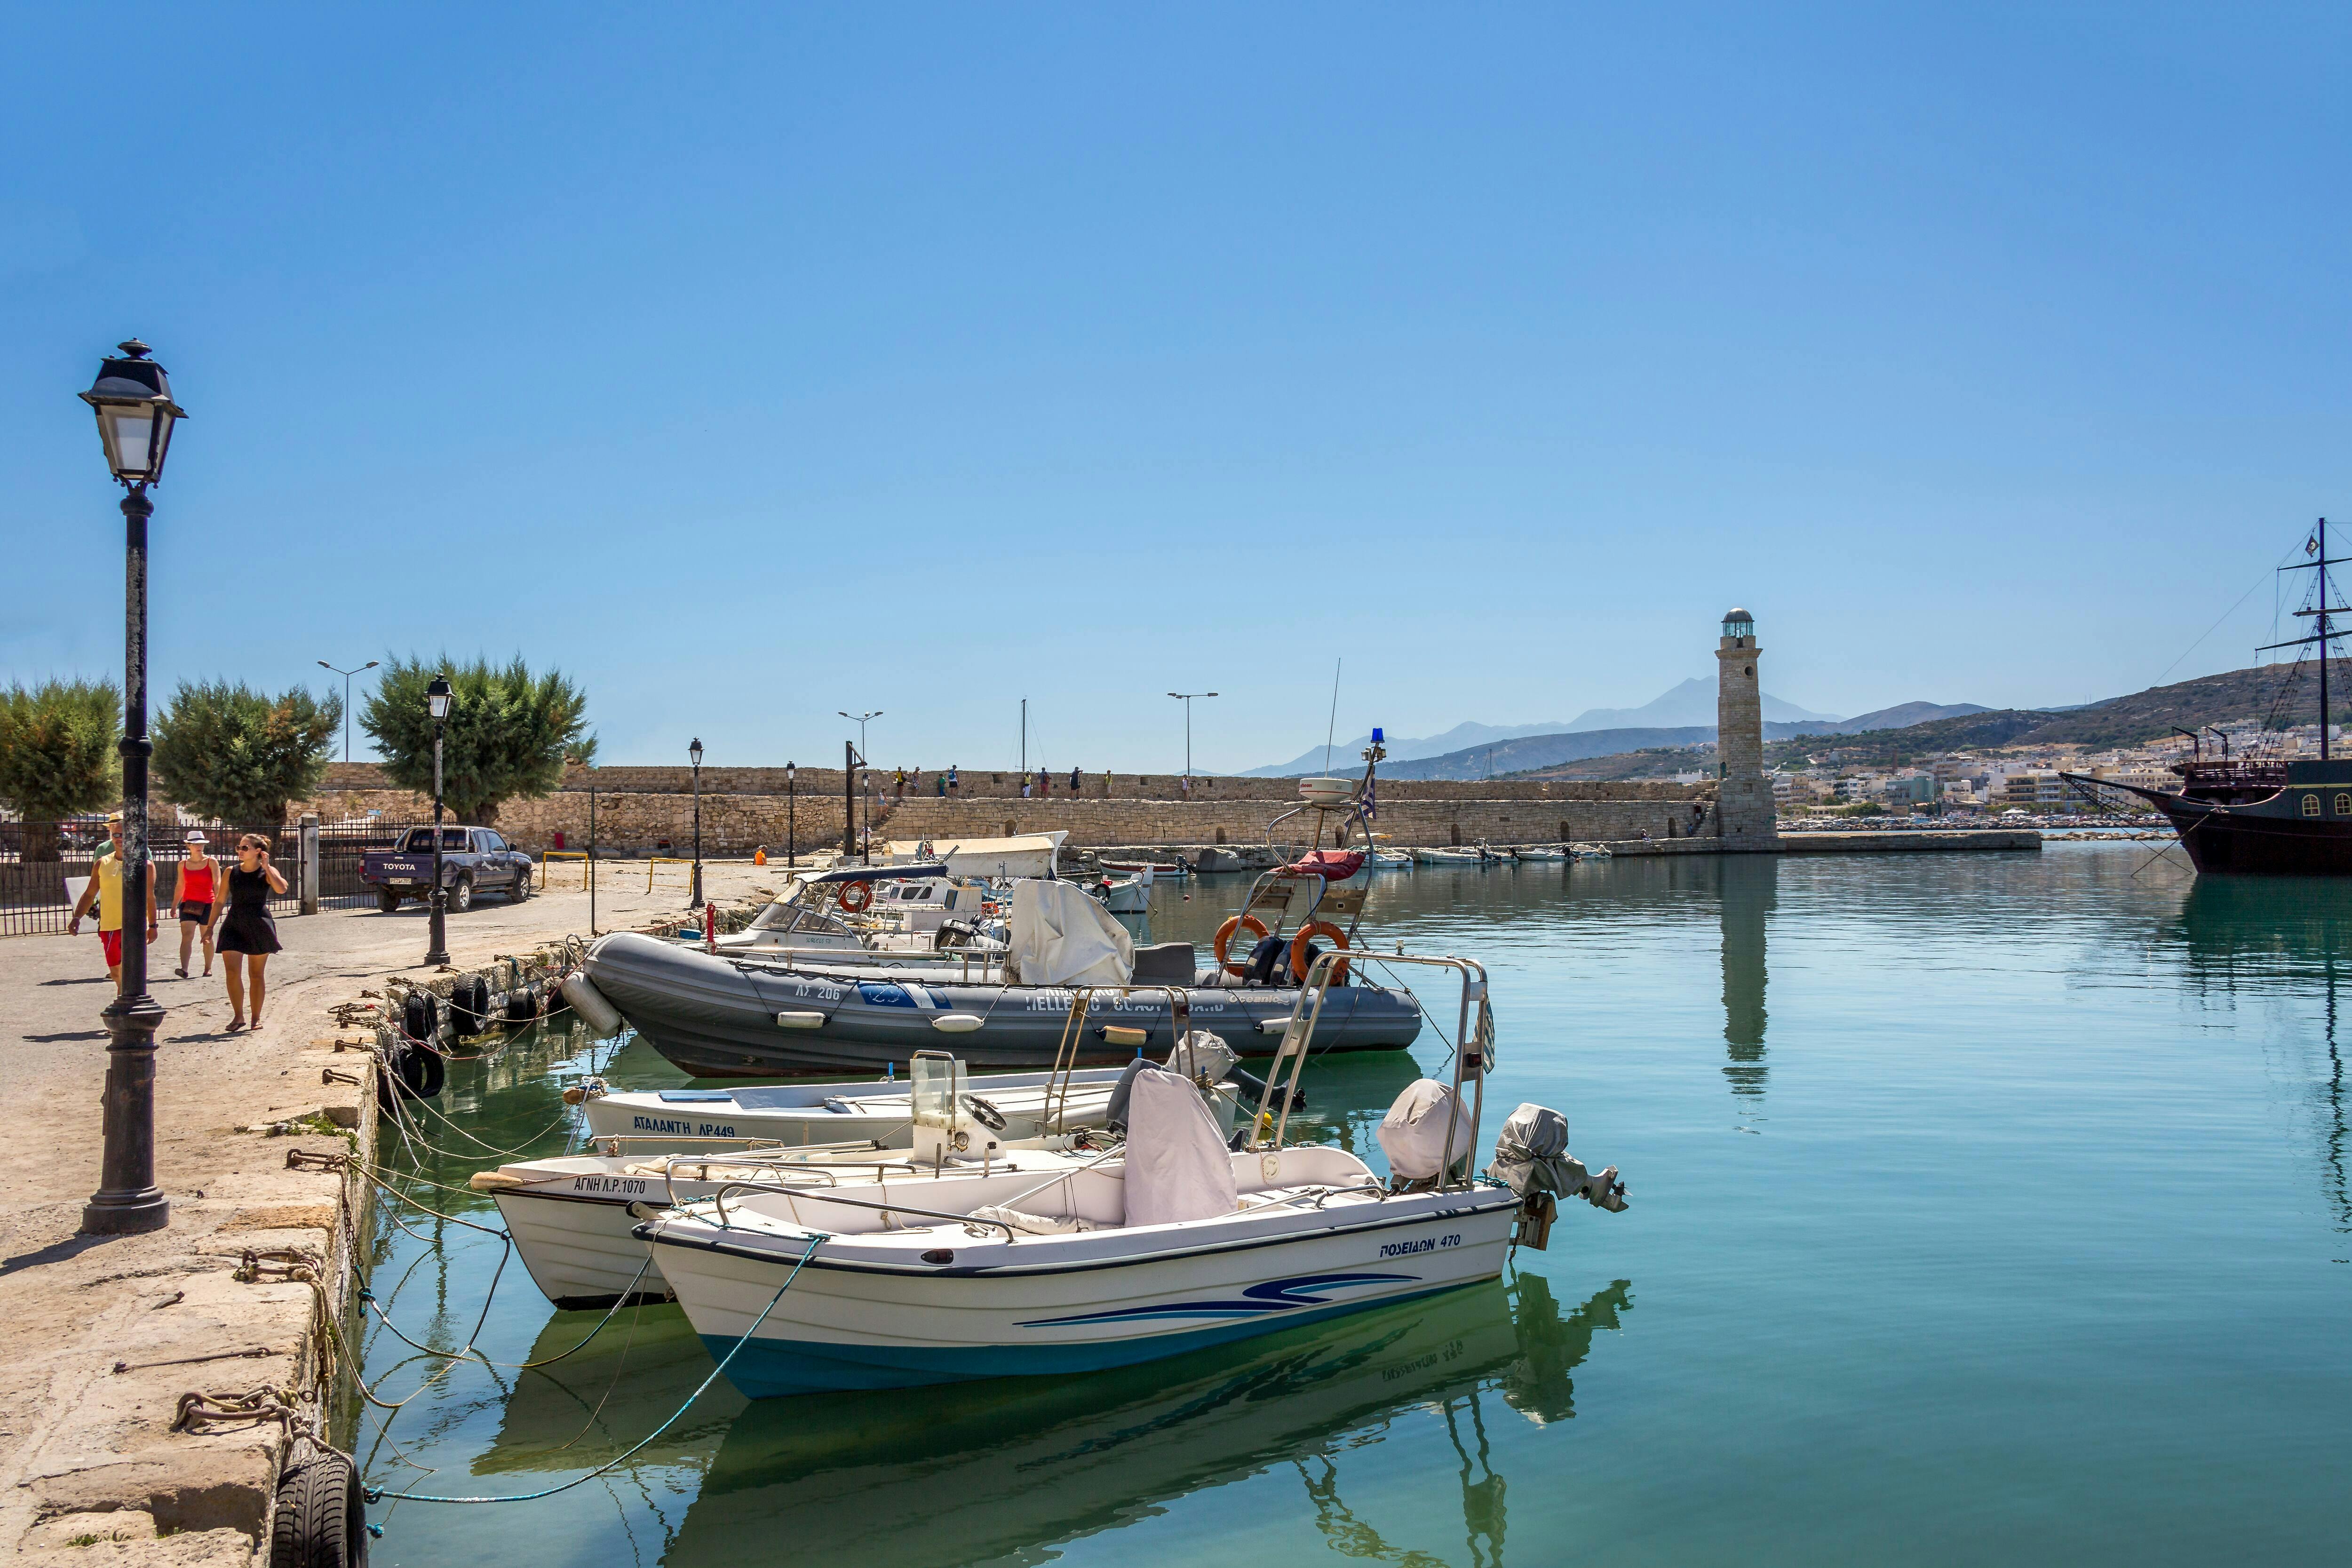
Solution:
(754, 363)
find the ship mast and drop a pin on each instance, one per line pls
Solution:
(2322, 611)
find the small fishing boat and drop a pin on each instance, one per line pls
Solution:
(889, 914)
(571, 1218)
(1123, 894)
(1147, 870)
(1540, 852)
(1169, 1242)
(1444, 857)
(804, 1114)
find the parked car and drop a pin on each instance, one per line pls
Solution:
(473, 859)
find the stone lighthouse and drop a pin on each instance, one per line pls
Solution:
(1744, 814)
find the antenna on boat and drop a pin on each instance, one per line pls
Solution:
(1332, 728)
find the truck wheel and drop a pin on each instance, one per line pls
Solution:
(461, 892)
(387, 900)
(521, 889)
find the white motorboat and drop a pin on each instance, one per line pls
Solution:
(792, 1115)
(1540, 852)
(910, 913)
(1444, 857)
(1147, 870)
(1123, 894)
(1166, 1244)
(570, 1215)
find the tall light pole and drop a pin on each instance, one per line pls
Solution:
(135, 413)
(1186, 697)
(695, 751)
(859, 719)
(437, 948)
(791, 813)
(347, 674)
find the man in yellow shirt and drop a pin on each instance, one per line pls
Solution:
(105, 890)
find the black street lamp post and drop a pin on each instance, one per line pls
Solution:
(1186, 697)
(791, 814)
(135, 413)
(695, 751)
(437, 702)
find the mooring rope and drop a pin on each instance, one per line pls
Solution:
(816, 1238)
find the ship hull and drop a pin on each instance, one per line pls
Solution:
(2247, 841)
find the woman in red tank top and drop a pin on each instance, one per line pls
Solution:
(193, 894)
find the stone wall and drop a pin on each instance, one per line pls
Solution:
(364, 778)
(733, 823)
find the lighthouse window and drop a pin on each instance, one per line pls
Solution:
(2311, 806)
(1752, 670)
(2344, 805)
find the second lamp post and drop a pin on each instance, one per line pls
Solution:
(695, 751)
(437, 702)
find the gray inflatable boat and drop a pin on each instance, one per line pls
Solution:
(734, 1016)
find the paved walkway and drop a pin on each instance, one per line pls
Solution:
(73, 1304)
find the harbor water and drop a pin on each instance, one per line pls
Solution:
(1984, 1206)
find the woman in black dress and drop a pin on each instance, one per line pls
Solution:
(247, 933)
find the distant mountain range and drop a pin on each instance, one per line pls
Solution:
(1692, 702)
(1530, 752)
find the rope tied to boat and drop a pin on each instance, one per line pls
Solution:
(815, 1239)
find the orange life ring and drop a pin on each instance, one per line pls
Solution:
(1298, 951)
(855, 896)
(1225, 934)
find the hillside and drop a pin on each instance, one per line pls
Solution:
(1905, 715)
(1969, 732)
(1524, 756)
(2288, 695)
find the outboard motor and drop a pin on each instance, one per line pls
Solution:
(1531, 1158)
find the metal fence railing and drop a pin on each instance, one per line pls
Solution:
(41, 862)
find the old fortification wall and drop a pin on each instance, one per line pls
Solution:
(734, 824)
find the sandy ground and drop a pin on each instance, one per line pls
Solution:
(74, 1304)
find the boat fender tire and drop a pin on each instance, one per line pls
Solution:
(420, 1015)
(418, 1071)
(469, 1000)
(1300, 960)
(523, 1006)
(855, 897)
(603, 1020)
(320, 1517)
(983, 1113)
(1224, 939)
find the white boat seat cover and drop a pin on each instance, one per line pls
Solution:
(1062, 937)
(1412, 1134)
(1176, 1165)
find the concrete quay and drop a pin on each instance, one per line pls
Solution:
(1929, 841)
(248, 1288)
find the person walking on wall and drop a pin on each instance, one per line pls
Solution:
(105, 890)
(899, 792)
(952, 779)
(1076, 784)
(249, 935)
(939, 784)
(192, 892)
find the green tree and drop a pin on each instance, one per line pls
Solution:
(509, 732)
(57, 754)
(239, 755)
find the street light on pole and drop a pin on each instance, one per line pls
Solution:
(347, 674)
(695, 751)
(437, 702)
(859, 719)
(132, 400)
(1186, 697)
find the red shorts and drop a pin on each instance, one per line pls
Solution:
(112, 942)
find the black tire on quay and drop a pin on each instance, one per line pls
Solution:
(420, 1015)
(461, 893)
(469, 999)
(387, 900)
(420, 1070)
(321, 1519)
(522, 1005)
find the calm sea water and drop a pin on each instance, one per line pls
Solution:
(1984, 1207)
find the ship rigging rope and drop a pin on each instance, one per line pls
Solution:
(815, 1239)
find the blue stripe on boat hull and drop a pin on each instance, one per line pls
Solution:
(769, 1369)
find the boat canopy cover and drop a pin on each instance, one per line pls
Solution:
(1061, 936)
(1022, 855)
(877, 873)
(1414, 1133)
(1331, 865)
(1176, 1165)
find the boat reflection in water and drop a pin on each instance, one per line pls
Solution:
(965, 1473)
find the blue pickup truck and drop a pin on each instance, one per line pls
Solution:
(473, 859)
